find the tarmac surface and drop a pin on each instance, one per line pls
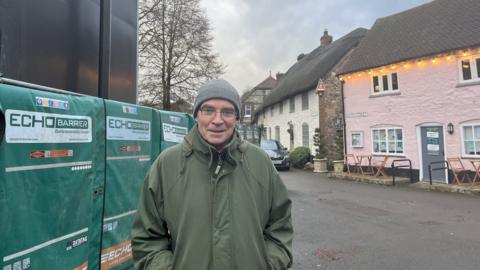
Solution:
(342, 224)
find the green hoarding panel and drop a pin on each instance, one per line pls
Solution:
(51, 179)
(248, 133)
(156, 135)
(191, 121)
(174, 126)
(129, 147)
(242, 130)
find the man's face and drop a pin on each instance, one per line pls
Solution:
(216, 122)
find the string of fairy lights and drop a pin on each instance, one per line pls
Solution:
(409, 64)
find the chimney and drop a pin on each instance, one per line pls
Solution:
(300, 56)
(326, 39)
(279, 76)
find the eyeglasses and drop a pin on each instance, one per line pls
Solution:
(227, 114)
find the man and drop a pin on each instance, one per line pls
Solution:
(213, 202)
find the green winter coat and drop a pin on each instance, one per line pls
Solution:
(201, 210)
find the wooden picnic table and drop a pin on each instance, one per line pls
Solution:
(460, 173)
(476, 166)
(368, 158)
(352, 161)
(380, 166)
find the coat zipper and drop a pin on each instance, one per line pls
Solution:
(214, 184)
(219, 166)
(212, 210)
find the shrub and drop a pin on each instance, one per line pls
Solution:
(299, 156)
(320, 150)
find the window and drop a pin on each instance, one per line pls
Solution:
(357, 138)
(471, 140)
(248, 110)
(269, 145)
(264, 113)
(277, 133)
(292, 104)
(385, 82)
(305, 101)
(280, 107)
(387, 140)
(271, 110)
(466, 70)
(269, 133)
(376, 87)
(394, 81)
(305, 135)
(470, 69)
(478, 67)
(389, 83)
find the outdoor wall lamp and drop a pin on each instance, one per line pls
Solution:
(450, 128)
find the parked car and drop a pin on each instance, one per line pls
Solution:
(277, 153)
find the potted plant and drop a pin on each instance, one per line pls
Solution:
(320, 160)
(338, 164)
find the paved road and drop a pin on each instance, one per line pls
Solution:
(345, 225)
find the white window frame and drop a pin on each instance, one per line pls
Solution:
(464, 152)
(388, 153)
(380, 84)
(305, 137)
(360, 139)
(473, 69)
(248, 108)
(277, 133)
(291, 104)
(305, 101)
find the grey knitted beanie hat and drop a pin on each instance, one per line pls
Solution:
(214, 89)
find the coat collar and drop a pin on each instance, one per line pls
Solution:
(193, 141)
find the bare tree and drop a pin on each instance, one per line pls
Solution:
(175, 51)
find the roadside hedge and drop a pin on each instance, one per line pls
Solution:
(299, 156)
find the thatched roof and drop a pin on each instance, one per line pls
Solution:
(305, 73)
(433, 28)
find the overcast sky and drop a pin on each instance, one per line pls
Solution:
(254, 37)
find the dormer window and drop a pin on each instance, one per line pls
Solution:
(385, 83)
(248, 110)
(470, 69)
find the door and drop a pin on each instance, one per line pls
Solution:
(433, 151)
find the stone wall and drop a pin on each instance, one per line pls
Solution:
(333, 123)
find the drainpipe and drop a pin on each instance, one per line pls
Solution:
(105, 48)
(103, 86)
(344, 122)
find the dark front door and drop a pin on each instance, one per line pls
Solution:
(433, 151)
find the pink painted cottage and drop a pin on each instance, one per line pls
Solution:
(412, 87)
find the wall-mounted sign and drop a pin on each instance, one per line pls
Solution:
(433, 141)
(432, 134)
(356, 115)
